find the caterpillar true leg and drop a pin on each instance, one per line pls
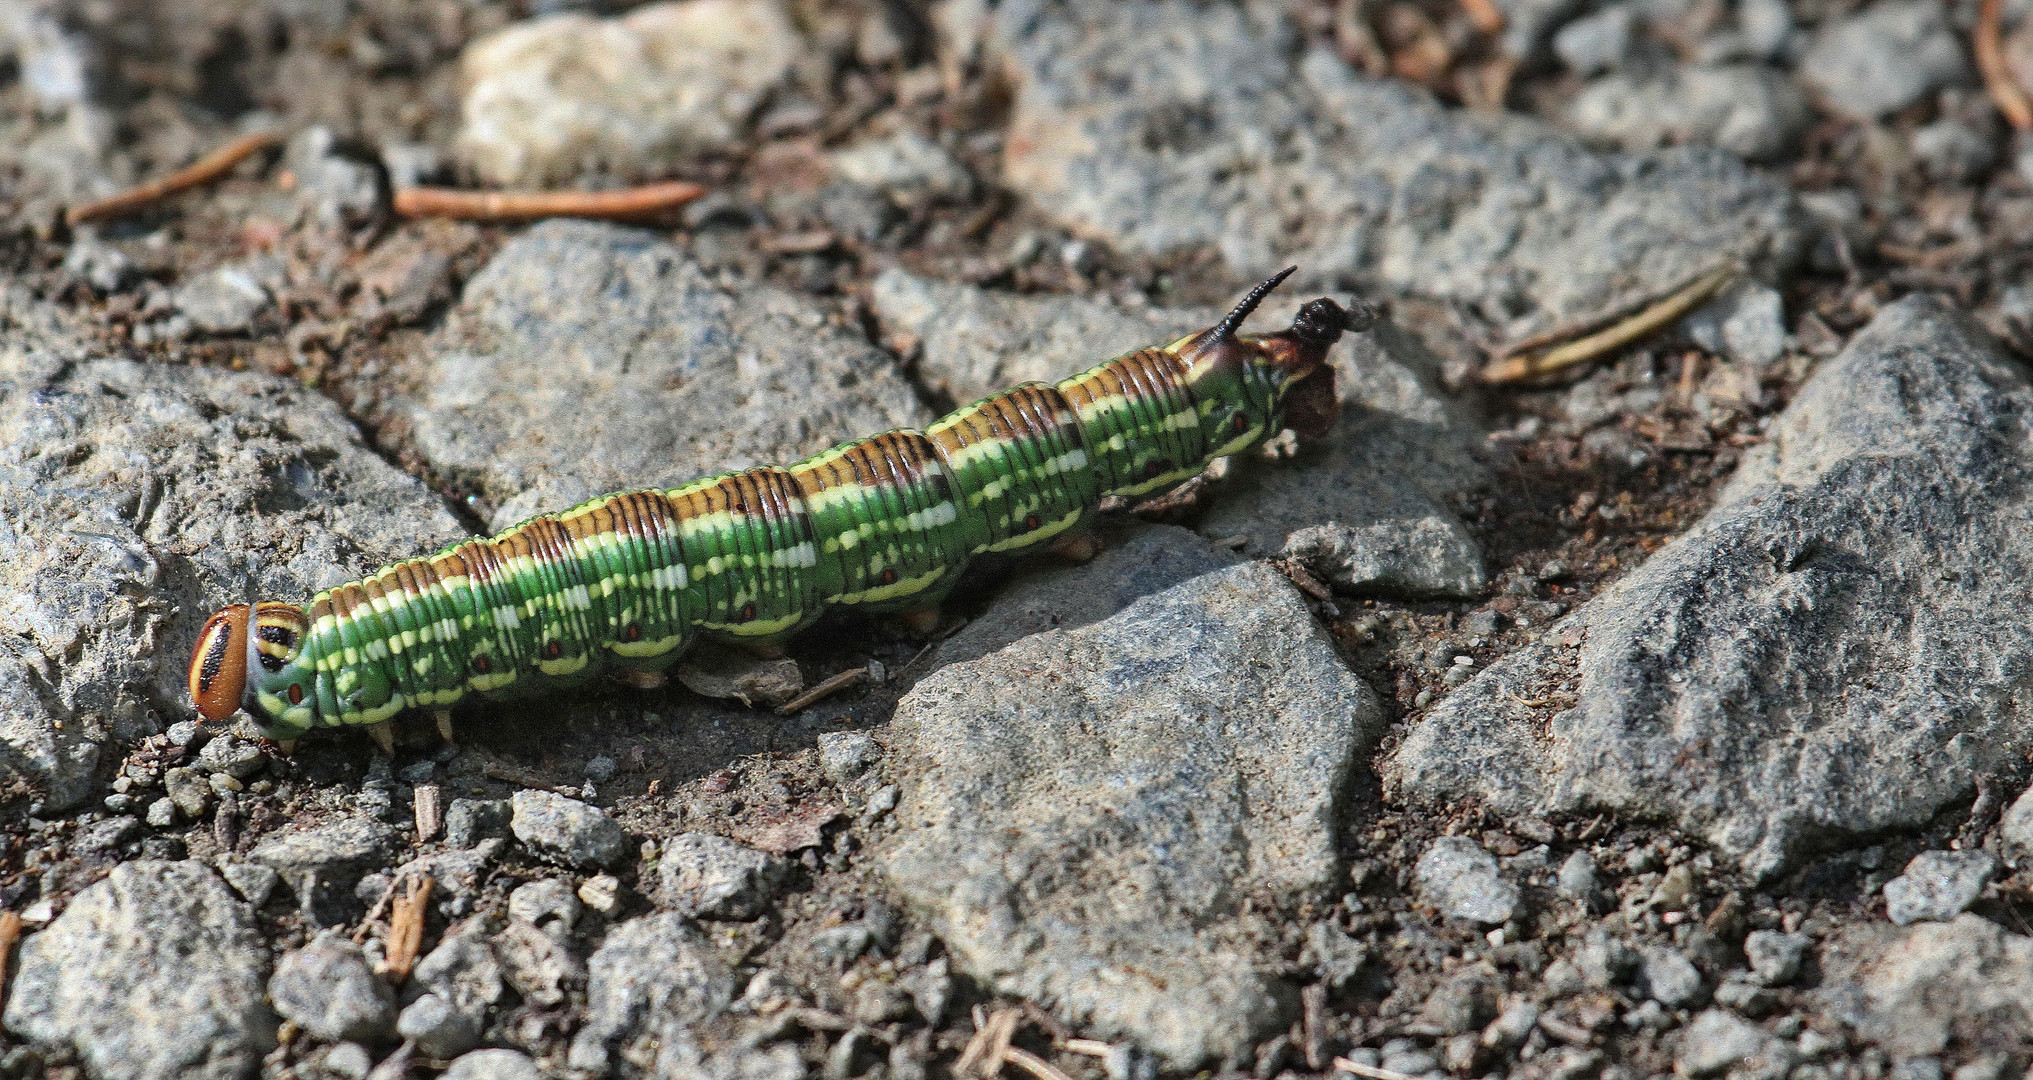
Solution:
(626, 583)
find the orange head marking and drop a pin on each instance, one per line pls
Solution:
(219, 663)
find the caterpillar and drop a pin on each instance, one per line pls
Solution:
(624, 583)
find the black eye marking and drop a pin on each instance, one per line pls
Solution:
(270, 663)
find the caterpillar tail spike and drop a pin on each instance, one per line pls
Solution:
(623, 584)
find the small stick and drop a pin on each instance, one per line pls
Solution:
(10, 932)
(503, 206)
(1089, 1047)
(1033, 1064)
(406, 930)
(1573, 1034)
(1519, 364)
(824, 690)
(1342, 1064)
(430, 814)
(202, 171)
(2004, 90)
(984, 1053)
(374, 912)
(1485, 15)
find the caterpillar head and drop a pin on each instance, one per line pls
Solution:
(252, 658)
(1250, 387)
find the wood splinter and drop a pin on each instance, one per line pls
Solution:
(1525, 360)
(1997, 73)
(205, 170)
(630, 204)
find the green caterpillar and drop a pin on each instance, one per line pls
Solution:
(623, 583)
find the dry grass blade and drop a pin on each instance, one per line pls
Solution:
(202, 171)
(375, 912)
(1033, 1064)
(10, 932)
(821, 692)
(1524, 361)
(1088, 1047)
(985, 1051)
(1990, 51)
(635, 203)
(1342, 1064)
(406, 930)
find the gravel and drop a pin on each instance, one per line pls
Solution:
(1462, 880)
(1911, 990)
(329, 990)
(653, 974)
(1885, 57)
(470, 821)
(493, 1065)
(1938, 885)
(716, 878)
(846, 755)
(570, 832)
(1775, 957)
(323, 864)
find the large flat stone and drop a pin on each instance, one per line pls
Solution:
(1087, 809)
(1912, 989)
(1838, 649)
(1163, 126)
(588, 358)
(138, 498)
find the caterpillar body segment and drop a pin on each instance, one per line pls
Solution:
(622, 584)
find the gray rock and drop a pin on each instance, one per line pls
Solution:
(1938, 885)
(440, 1028)
(569, 832)
(715, 878)
(107, 467)
(1530, 24)
(1718, 1041)
(1164, 126)
(162, 813)
(587, 358)
(463, 969)
(653, 972)
(1875, 532)
(346, 1061)
(1597, 43)
(187, 791)
(1884, 58)
(1910, 990)
(469, 821)
(1461, 1004)
(236, 757)
(846, 755)
(322, 864)
(542, 968)
(903, 165)
(56, 60)
(154, 972)
(493, 1065)
(1747, 109)
(1334, 954)
(1579, 878)
(334, 187)
(1766, 26)
(1097, 866)
(548, 98)
(1671, 979)
(550, 904)
(1775, 957)
(2015, 832)
(99, 264)
(1951, 149)
(330, 991)
(682, 1060)
(227, 299)
(1747, 324)
(1461, 879)
(255, 883)
(1604, 961)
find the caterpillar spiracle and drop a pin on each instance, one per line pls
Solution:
(623, 583)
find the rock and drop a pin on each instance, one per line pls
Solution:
(255, 883)
(714, 877)
(1604, 961)
(1884, 58)
(457, 873)
(1938, 885)
(403, 279)
(469, 821)
(713, 670)
(1334, 954)
(322, 864)
(1671, 979)
(1717, 1041)
(2015, 832)
(1747, 109)
(1460, 1005)
(846, 755)
(330, 991)
(1766, 27)
(1461, 879)
(1579, 879)
(1733, 685)
(336, 186)
(549, 904)
(1747, 324)
(440, 1029)
(104, 267)
(462, 969)
(587, 358)
(57, 61)
(1950, 149)
(655, 972)
(1597, 43)
(1163, 127)
(683, 1061)
(107, 467)
(1775, 957)
(550, 98)
(542, 968)
(228, 299)
(569, 832)
(903, 166)
(154, 972)
(346, 1061)
(236, 757)
(1910, 990)
(493, 1065)
(1511, 1027)
(1098, 867)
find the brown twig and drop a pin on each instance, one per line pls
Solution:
(634, 203)
(10, 932)
(1523, 361)
(375, 912)
(202, 171)
(1486, 16)
(2004, 90)
(406, 930)
(1033, 1064)
(822, 691)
